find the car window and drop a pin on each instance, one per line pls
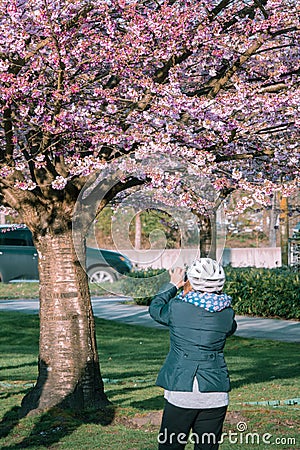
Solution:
(20, 238)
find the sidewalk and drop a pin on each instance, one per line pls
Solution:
(249, 327)
(116, 309)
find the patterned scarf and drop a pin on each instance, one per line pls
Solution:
(207, 300)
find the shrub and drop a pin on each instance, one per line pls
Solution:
(255, 291)
(264, 292)
(143, 285)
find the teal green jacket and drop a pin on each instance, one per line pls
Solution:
(197, 339)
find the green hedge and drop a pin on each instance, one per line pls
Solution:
(254, 291)
(264, 292)
(143, 285)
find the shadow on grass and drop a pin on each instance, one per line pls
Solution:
(59, 421)
(133, 353)
(127, 391)
(259, 361)
(52, 426)
(5, 395)
(19, 366)
(9, 422)
(153, 403)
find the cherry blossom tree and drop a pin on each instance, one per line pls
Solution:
(148, 93)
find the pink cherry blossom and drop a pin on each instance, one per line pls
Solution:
(111, 83)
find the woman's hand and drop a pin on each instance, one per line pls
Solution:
(177, 276)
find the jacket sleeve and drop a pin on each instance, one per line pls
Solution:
(234, 326)
(159, 308)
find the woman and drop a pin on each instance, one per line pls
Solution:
(194, 374)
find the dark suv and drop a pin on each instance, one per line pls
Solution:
(19, 259)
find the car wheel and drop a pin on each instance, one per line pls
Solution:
(101, 275)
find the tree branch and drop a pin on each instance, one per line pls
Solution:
(274, 87)
(275, 128)
(244, 156)
(246, 11)
(7, 154)
(81, 14)
(231, 71)
(217, 9)
(261, 7)
(162, 74)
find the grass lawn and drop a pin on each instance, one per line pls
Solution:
(130, 357)
(10, 291)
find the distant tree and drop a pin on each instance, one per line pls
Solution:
(122, 93)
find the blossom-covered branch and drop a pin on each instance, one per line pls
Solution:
(84, 85)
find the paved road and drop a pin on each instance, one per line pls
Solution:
(117, 309)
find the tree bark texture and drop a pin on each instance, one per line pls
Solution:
(208, 237)
(69, 371)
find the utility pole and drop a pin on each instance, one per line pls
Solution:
(273, 221)
(138, 232)
(213, 227)
(284, 230)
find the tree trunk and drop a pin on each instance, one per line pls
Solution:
(208, 244)
(69, 371)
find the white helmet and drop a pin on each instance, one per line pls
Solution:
(207, 275)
